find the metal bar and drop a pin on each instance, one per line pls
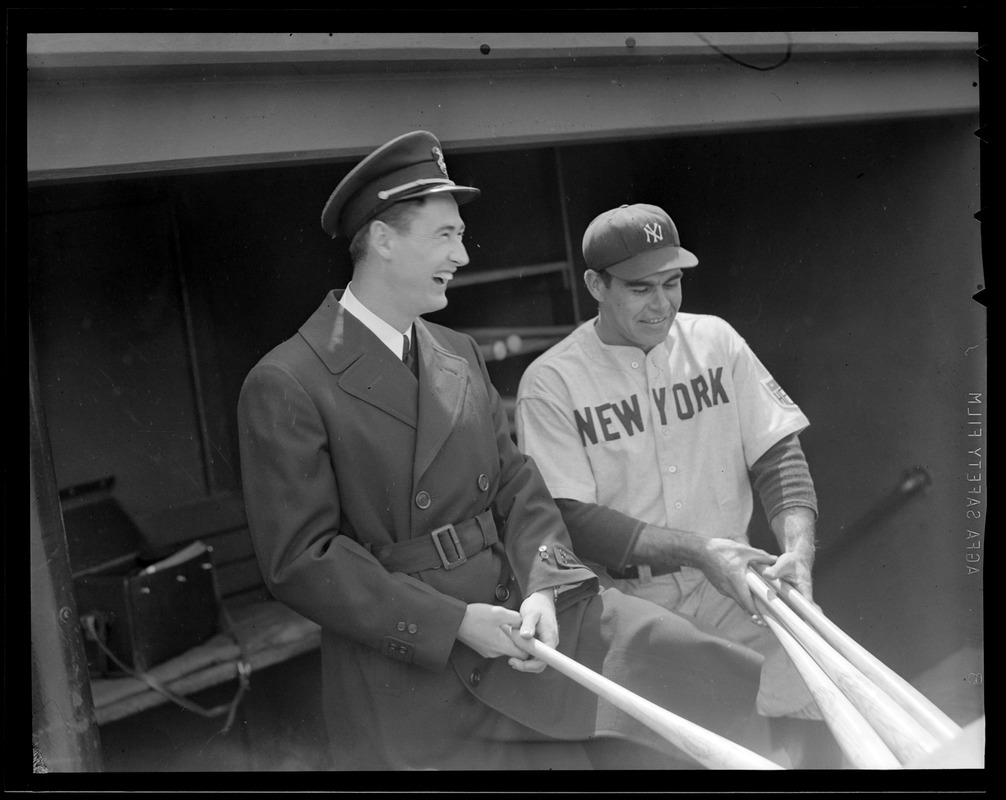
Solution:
(190, 344)
(506, 273)
(502, 349)
(524, 331)
(563, 205)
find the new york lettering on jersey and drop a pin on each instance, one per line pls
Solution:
(609, 421)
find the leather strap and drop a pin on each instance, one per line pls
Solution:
(243, 667)
(631, 572)
(446, 547)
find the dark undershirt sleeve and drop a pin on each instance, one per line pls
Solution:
(782, 479)
(600, 534)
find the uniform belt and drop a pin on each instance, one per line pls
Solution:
(447, 547)
(631, 572)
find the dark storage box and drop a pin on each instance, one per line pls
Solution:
(146, 607)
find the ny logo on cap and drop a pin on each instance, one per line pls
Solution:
(653, 232)
(440, 160)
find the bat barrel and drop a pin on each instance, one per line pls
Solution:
(708, 748)
(861, 744)
(905, 736)
(925, 712)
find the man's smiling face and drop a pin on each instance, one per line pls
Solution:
(639, 312)
(426, 256)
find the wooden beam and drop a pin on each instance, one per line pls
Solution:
(129, 123)
(48, 53)
(62, 714)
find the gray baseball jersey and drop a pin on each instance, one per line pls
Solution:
(666, 437)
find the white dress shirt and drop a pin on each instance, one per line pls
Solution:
(392, 337)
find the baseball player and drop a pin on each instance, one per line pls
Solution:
(650, 427)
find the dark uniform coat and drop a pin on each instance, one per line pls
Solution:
(343, 452)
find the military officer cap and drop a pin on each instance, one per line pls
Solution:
(634, 241)
(407, 167)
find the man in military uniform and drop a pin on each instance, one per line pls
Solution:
(388, 503)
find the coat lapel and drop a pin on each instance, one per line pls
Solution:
(366, 368)
(443, 382)
(371, 372)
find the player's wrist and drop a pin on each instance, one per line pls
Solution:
(667, 548)
(695, 550)
(795, 530)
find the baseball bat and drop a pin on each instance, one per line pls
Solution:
(906, 695)
(708, 748)
(906, 737)
(966, 751)
(857, 738)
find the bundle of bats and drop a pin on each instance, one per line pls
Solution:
(878, 719)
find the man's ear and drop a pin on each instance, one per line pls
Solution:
(382, 237)
(594, 283)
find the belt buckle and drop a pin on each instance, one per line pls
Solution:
(630, 573)
(455, 540)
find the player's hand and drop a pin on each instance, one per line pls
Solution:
(537, 621)
(725, 561)
(794, 567)
(794, 529)
(483, 630)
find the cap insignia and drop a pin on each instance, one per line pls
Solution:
(440, 160)
(653, 232)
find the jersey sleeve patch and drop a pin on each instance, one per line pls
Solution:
(778, 393)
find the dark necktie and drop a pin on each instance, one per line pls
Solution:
(409, 356)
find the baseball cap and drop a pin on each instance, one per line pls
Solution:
(409, 166)
(631, 242)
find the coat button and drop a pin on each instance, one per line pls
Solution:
(401, 626)
(484, 482)
(413, 628)
(543, 553)
(502, 593)
(423, 500)
(475, 677)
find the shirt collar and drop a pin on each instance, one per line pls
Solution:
(390, 336)
(621, 353)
